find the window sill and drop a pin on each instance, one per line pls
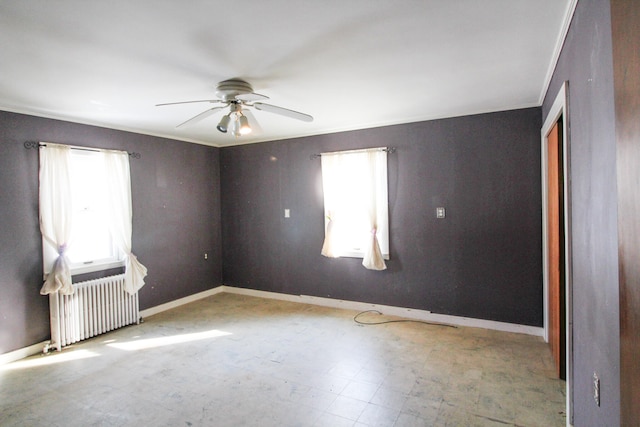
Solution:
(360, 255)
(95, 266)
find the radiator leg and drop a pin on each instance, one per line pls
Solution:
(54, 318)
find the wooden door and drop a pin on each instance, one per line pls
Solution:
(555, 232)
(625, 16)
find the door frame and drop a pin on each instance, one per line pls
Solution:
(558, 110)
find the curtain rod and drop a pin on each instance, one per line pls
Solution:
(387, 149)
(35, 144)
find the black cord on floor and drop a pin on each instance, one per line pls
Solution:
(355, 319)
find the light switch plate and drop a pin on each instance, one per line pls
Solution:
(287, 213)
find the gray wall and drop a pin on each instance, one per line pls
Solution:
(586, 63)
(176, 218)
(482, 261)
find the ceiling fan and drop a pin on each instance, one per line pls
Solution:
(238, 96)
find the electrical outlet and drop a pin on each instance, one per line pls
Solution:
(206, 255)
(440, 213)
(596, 388)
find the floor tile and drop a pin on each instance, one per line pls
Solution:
(360, 390)
(285, 364)
(347, 407)
(378, 416)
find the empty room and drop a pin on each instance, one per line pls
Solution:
(278, 213)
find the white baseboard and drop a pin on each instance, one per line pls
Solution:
(408, 313)
(21, 353)
(182, 301)
(37, 348)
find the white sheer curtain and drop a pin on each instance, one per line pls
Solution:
(121, 214)
(355, 201)
(331, 178)
(56, 215)
(377, 160)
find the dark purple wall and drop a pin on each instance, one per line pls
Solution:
(176, 218)
(586, 63)
(482, 261)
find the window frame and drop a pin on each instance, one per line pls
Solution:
(382, 197)
(115, 260)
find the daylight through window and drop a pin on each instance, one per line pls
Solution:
(86, 216)
(91, 245)
(355, 206)
(91, 240)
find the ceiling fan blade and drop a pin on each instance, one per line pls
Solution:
(256, 129)
(250, 97)
(189, 102)
(283, 111)
(198, 117)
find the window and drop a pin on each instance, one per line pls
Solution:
(355, 205)
(85, 216)
(91, 246)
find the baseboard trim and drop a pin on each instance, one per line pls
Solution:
(181, 301)
(21, 353)
(408, 313)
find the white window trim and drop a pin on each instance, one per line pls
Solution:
(383, 232)
(94, 266)
(360, 254)
(49, 253)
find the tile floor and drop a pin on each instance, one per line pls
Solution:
(232, 360)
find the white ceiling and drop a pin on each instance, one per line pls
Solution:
(351, 64)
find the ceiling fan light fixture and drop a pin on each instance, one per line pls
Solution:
(223, 126)
(237, 94)
(235, 128)
(245, 129)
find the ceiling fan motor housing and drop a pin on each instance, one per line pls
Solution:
(228, 89)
